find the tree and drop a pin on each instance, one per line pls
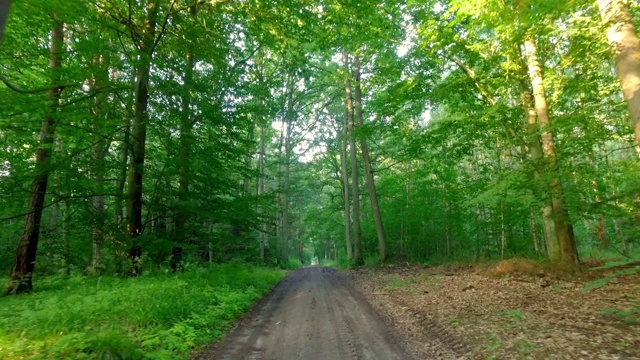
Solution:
(22, 273)
(568, 252)
(626, 52)
(371, 186)
(355, 182)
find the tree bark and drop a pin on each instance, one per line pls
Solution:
(260, 191)
(66, 231)
(357, 232)
(563, 227)
(21, 275)
(534, 230)
(186, 139)
(535, 150)
(99, 152)
(139, 124)
(344, 177)
(371, 186)
(279, 232)
(124, 150)
(286, 216)
(626, 53)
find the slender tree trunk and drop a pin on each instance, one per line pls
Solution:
(533, 228)
(139, 125)
(66, 232)
(620, 234)
(100, 149)
(626, 52)
(371, 186)
(21, 275)
(186, 139)
(260, 191)
(285, 166)
(286, 216)
(357, 232)
(564, 229)
(279, 201)
(503, 233)
(344, 177)
(122, 172)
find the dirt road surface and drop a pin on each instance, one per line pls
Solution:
(313, 313)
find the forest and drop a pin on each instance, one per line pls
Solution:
(144, 138)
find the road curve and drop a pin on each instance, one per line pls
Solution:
(313, 313)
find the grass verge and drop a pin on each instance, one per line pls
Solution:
(160, 316)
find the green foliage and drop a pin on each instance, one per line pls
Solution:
(629, 316)
(291, 264)
(493, 345)
(160, 316)
(397, 281)
(340, 263)
(601, 282)
(517, 318)
(525, 348)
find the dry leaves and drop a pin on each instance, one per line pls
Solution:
(469, 312)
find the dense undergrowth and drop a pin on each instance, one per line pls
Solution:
(157, 316)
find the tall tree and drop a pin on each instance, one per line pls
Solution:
(344, 178)
(21, 275)
(626, 52)
(355, 183)
(564, 229)
(186, 136)
(371, 186)
(146, 47)
(100, 148)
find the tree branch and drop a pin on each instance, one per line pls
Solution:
(33, 91)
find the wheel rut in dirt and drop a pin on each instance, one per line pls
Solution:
(313, 313)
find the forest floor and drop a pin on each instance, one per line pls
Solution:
(515, 309)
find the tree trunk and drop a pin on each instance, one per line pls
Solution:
(66, 231)
(626, 52)
(99, 152)
(533, 228)
(279, 232)
(260, 191)
(288, 150)
(139, 124)
(564, 229)
(21, 275)
(357, 232)
(344, 177)
(122, 173)
(371, 186)
(186, 139)
(535, 150)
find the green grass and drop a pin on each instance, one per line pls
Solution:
(160, 316)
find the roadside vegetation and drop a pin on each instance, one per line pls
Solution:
(155, 316)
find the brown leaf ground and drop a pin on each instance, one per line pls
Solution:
(511, 310)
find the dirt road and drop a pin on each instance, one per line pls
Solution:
(313, 313)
